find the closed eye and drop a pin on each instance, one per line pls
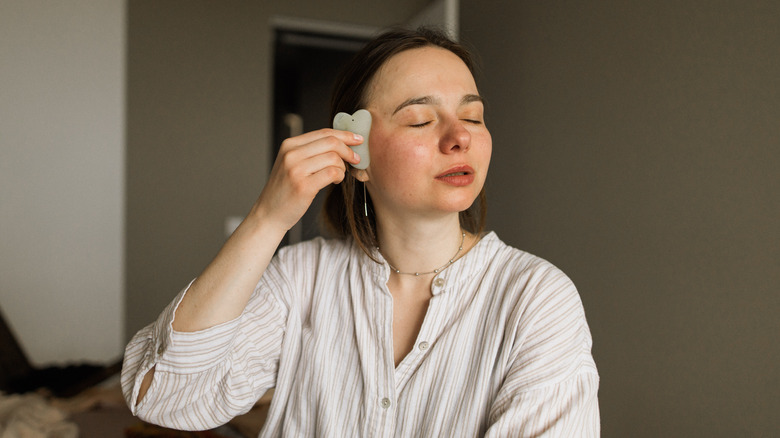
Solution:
(473, 121)
(420, 125)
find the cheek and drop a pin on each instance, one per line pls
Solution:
(485, 144)
(397, 160)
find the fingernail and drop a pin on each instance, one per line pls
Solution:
(356, 156)
(358, 137)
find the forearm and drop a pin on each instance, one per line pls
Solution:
(223, 289)
(305, 165)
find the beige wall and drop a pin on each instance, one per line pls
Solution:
(62, 177)
(636, 146)
(198, 123)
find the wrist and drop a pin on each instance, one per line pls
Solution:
(261, 222)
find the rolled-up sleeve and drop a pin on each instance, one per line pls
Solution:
(203, 379)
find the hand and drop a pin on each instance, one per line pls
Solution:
(305, 165)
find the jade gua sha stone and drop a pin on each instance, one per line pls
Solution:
(358, 123)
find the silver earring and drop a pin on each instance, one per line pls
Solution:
(365, 201)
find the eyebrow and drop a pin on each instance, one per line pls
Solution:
(469, 98)
(428, 100)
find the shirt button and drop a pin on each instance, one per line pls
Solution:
(385, 403)
(160, 350)
(423, 345)
(439, 282)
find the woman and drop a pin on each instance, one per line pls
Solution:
(412, 322)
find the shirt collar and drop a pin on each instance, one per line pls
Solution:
(450, 278)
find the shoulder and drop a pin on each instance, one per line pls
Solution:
(519, 269)
(545, 315)
(304, 263)
(529, 288)
(296, 269)
(314, 250)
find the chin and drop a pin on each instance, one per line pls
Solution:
(456, 206)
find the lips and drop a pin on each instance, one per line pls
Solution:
(457, 176)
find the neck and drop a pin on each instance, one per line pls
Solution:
(420, 246)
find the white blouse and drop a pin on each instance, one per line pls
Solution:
(504, 350)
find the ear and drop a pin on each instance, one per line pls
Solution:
(359, 174)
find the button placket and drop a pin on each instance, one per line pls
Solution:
(438, 285)
(386, 381)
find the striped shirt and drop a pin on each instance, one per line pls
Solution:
(504, 350)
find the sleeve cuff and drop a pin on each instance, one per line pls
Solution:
(190, 352)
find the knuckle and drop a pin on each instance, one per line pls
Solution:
(336, 158)
(335, 174)
(333, 141)
(295, 174)
(286, 144)
(289, 158)
(299, 188)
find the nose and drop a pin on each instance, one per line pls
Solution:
(455, 138)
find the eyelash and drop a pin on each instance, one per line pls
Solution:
(420, 125)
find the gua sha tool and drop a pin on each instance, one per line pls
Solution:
(358, 123)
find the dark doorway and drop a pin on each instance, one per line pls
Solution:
(305, 69)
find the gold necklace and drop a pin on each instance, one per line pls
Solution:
(435, 271)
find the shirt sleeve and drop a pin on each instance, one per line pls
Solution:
(551, 386)
(203, 379)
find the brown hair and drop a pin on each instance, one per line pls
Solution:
(343, 209)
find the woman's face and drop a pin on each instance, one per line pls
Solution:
(429, 146)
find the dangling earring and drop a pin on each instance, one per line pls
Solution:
(365, 200)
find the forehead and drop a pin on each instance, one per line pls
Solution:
(418, 72)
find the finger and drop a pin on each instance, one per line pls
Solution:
(326, 176)
(305, 186)
(319, 162)
(346, 137)
(323, 145)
